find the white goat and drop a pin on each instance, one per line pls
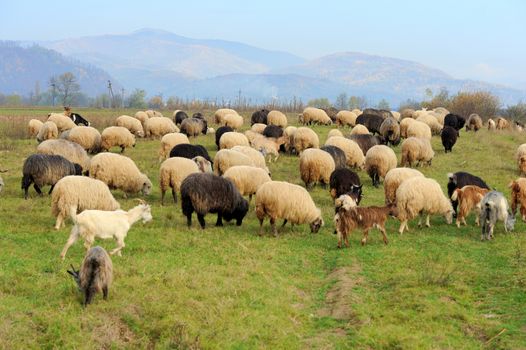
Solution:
(106, 224)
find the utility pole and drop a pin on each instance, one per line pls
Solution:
(112, 104)
(53, 86)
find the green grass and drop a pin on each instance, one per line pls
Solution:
(174, 287)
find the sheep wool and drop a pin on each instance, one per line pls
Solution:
(142, 117)
(247, 179)
(88, 137)
(48, 131)
(231, 139)
(353, 152)
(334, 132)
(33, 127)
(419, 129)
(416, 149)
(132, 124)
(316, 166)
(159, 126)
(404, 124)
(227, 158)
(346, 118)
(221, 113)
(289, 134)
(258, 127)
(172, 173)
(62, 122)
(256, 156)
(431, 121)
(394, 178)
(304, 138)
(359, 129)
(169, 141)
(235, 121)
(315, 115)
(67, 149)
(116, 136)
(277, 118)
(379, 160)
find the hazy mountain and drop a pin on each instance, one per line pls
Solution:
(22, 67)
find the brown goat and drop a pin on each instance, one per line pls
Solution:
(468, 198)
(365, 218)
(518, 196)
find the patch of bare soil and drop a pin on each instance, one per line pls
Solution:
(112, 333)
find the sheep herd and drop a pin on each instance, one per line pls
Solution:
(363, 140)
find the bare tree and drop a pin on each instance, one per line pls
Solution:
(342, 101)
(67, 86)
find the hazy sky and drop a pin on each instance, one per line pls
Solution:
(483, 40)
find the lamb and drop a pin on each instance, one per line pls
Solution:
(48, 131)
(43, 169)
(366, 218)
(474, 122)
(371, 121)
(209, 193)
(269, 146)
(258, 127)
(119, 172)
(132, 124)
(259, 116)
(88, 137)
(247, 179)
(432, 122)
(278, 199)
(346, 118)
(353, 153)
(220, 131)
(277, 118)
(316, 166)
(142, 117)
(378, 161)
(390, 131)
(91, 224)
(116, 136)
(234, 120)
(366, 141)
(231, 139)
(491, 124)
(273, 131)
(340, 161)
(416, 149)
(404, 125)
(73, 194)
(190, 151)
(305, 138)
(502, 123)
(62, 122)
(33, 127)
(95, 275)
(518, 196)
(469, 197)
(345, 181)
(192, 127)
(459, 180)
(494, 208)
(67, 149)
(221, 113)
(169, 141)
(315, 115)
(455, 121)
(258, 159)
(419, 129)
(174, 170)
(394, 178)
(334, 132)
(359, 130)
(158, 127)
(179, 116)
(419, 196)
(227, 158)
(449, 137)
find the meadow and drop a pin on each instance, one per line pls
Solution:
(228, 288)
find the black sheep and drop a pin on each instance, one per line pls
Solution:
(193, 126)
(189, 151)
(337, 154)
(371, 121)
(455, 121)
(273, 131)
(220, 131)
(78, 120)
(345, 181)
(331, 112)
(459, 180)
(259, 117)
(379, 112)
(208, 193)
(179, 117)
(449, 137)
(198, 115)
(366, 141)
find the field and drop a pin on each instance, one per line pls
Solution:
(223, 288)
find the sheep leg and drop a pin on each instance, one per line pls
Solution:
(339, 239)
(365, 235)
(346, 238)
(174, 195)
(249, 198)
(273, 226)
(122, 149)
(162, 197)
(88, 296)
(74, 235)
(402, 227)
(219, 221)
(427, 221)
(201, 219)
(51, 189)
(35, 186)
(260, 233)
(105, 292)
(284, 223)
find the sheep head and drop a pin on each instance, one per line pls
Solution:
(316, 224)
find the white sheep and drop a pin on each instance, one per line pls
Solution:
(119, 172)
(334, 132)
(283, 200)
(252, 135)
(159, 126)
(269, 146)
(33, 127)
(305, 138)
(247, 179)
(142, 117)
(257, 157)
(419, 196)
(91, 224)
(220, 114)
(346, 118)
(231, 139)
(289, 134)
(315, 115)
(432, 122)
(316, 166)
(169, 141)
(491, 124)
(404, 124)
(70, 150)
(419, 129)
(62, 122)
(394, 178)
(235, 121)
(73, 194)
(227, 158)
(416, 149)
(258, 127)
(48, 131)
(379, 159)
(396, 115)
(359, 129)
(116, 136)
(175, 169)
(151, 114)
(277, 118)
(353, 152)
(88, 137)
(132, 124)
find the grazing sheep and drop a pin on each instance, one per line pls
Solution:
(64, 135)
(491, 124)
(441, 110)
(220, 131)
(198, 115)
(258, 159)
(340, 161)
(316, 166)
(378, 112)
(73, 194)
(396, 115)
(273, 131)
(48, 131)
(432, 122)
(371, 121)
(394, 178)
(142, 117)
(474, 122)
(419, 129)
(353, 153)
(278, 199)
(209, 193)
(192, 127)
(359, 129)
(258, 127)
(378, 161)
(190, 151)
(221, 113)
(247, 179)
(501, 123)
(366, 218)
(227, 158)
(159, 126)
(179, 116)
(404, 125)
(169, 141)
(70, 150)
(455, 121)
(331, 112)
(407, 113)
(33, 127)
(416, 149)
(334, 132)
(151, 113)
(449, 137)
(494, 207)
(174, 170)
(289, 134)
(459, 180)
(44, 169)
(119, 172)
(304, 138)
(345, 181)
(259, 117)
(390, 131)
(116, 136)
(132, 124)
(91, 224)
(95, 275)
(419, 196)
(315, 115)
(346, 118)
(468, 197)
(88, 137)
(366, 141)
(62, 122)
(269, 146)
(518, 196)
(234, 120)
(231, 139)
(357, 111)
(277, 118)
